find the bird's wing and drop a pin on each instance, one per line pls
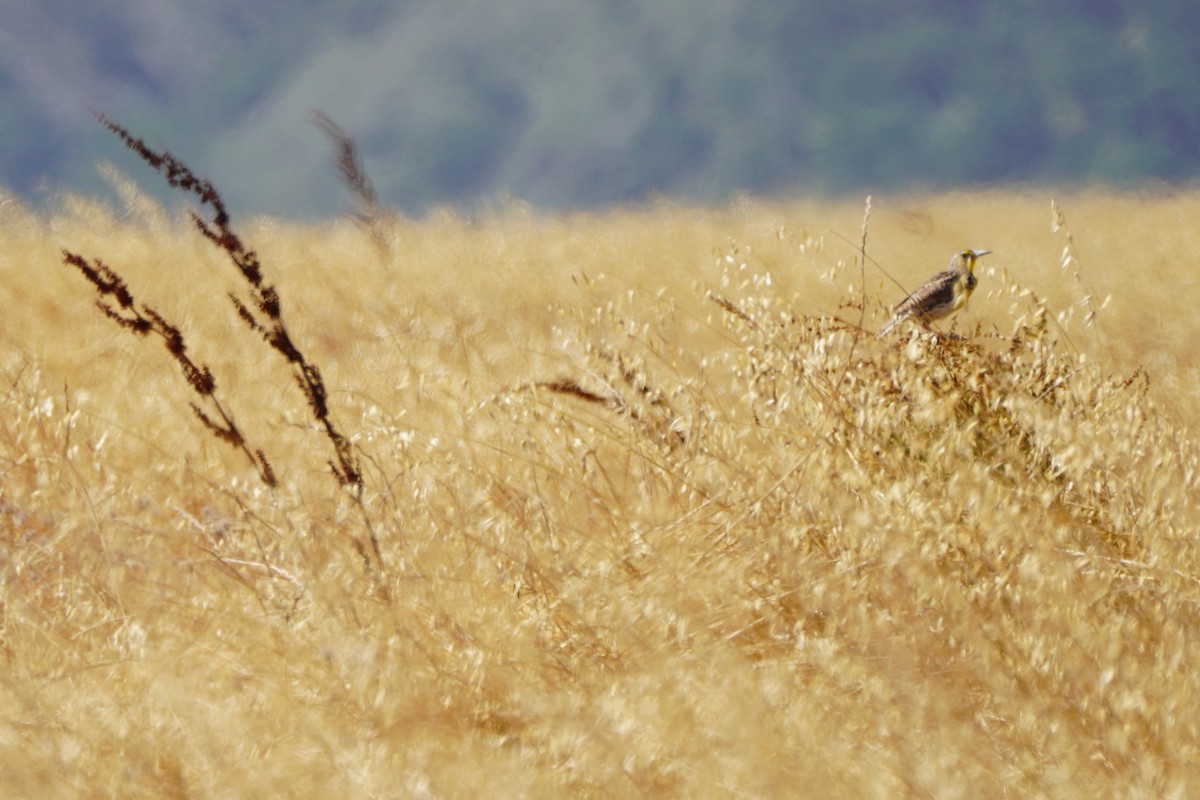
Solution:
(939, 290)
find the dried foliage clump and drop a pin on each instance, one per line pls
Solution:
(662, 516)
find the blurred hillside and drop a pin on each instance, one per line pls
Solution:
(590, 103)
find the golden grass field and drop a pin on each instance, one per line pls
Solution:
(657, 518)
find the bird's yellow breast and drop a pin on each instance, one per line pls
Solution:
(963, 288)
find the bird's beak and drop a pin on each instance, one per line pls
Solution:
(979, 253)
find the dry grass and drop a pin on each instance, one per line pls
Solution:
(655, 517)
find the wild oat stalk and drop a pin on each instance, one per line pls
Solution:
(1070, 261)
(263, 314)
(862, 277)
(119, 305)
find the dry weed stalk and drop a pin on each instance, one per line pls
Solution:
(354, 175)
(621, 403)
(621, 383)
(264, 313)
(118, 304)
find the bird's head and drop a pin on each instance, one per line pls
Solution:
(966, 260)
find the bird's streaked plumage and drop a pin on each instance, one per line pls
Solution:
(942, 295)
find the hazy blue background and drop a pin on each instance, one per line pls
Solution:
(592, 102)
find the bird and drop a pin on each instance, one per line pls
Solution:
(942, 295)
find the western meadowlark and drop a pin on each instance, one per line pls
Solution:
(942, 295)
